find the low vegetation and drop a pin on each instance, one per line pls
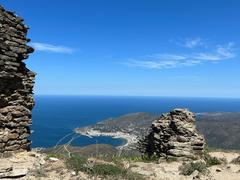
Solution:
(188, 168)
(39, 172)
(77, 163)
(105, 170)
(212, 161)
(236, 160)
(120, 159)
(112, 167)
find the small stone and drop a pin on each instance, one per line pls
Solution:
(182, 139)
(15, 173)
(53, 159)
(73, 173)
(195, 173)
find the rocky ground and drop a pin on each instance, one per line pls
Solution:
(34, 165)
(170, 171)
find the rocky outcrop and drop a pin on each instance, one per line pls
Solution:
(174, 135)
(16, 84)
(19, 164)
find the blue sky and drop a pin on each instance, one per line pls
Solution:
(133, 47)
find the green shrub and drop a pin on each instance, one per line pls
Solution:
(152, 158)
(171, 159)
(114, 172)
(107, 170)
(120, 159)
(212, 161)
(77, 163)
(236, 160)
(131, 176)
(188, 169)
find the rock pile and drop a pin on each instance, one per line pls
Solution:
(16, 84)
(174, 135)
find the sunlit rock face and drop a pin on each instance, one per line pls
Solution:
(174, 135)
(16, 84)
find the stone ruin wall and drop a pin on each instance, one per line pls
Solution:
(174, 135)
(16, 84)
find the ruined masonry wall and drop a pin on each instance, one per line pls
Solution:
(16, 84)
(175, 135)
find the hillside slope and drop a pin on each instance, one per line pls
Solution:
(221, 130)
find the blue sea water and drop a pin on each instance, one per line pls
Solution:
(56, 116)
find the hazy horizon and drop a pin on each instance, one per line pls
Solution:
(107, 95)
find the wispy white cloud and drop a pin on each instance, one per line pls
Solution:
(190, 43)
(191, 62)
(167, 61)
(193, 42)
(221, 53)
(51, 48)
(167, 56)
(151, 64)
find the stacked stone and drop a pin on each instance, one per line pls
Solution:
(16, 84)
(174, 135)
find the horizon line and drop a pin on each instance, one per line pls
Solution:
(159, 96)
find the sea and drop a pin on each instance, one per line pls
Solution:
(55, 117)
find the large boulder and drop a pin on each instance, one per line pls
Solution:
(174, 135)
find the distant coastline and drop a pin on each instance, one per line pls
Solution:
(129, 139)
(56, 116)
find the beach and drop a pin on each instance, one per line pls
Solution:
(130, 139)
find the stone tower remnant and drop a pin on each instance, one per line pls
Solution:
(16, 84)
(174, 135)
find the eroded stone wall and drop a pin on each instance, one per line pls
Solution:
(16, 84)
(174, 135)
